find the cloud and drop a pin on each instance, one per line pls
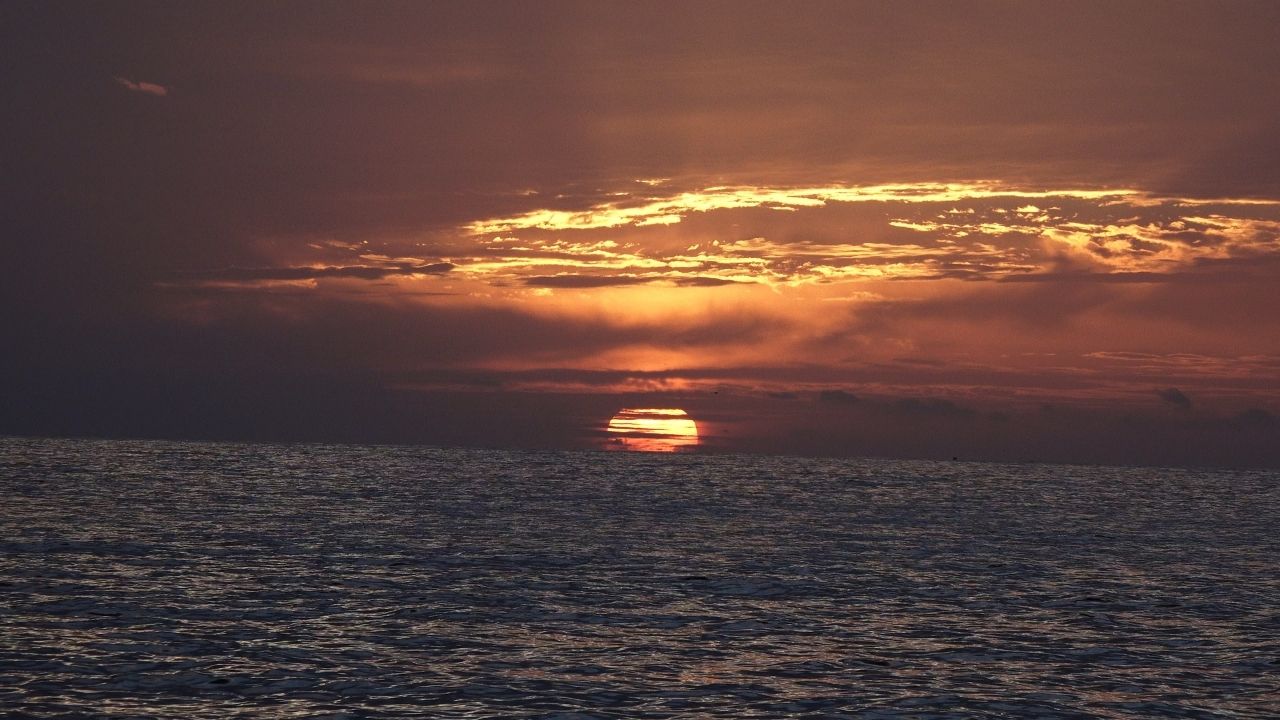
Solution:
(838, 397)
(362, 272)
(1175, 397)
(599, 281)
(673, 209)
(934, 407)
(976, 231)
(325, 331)
(585, 281)
(1087, 276)
(147, 88)
(704, 281)
(1032, 308)
(1254, 419)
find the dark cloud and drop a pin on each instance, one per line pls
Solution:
(935, 407)
(599, 281)
(585, 281)
(311, 332)
(1237, 165)
(702, 281)
(1095, 277)
(1175, 397)
(927, 362)
(1031, 308)
(838, 397)
(1254, 419)
(363, 272)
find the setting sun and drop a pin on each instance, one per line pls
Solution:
(652, 430)
(365, 339)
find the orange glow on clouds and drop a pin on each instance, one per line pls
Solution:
(673, 209)
(652, 430)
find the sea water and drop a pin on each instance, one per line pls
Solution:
(190, 580)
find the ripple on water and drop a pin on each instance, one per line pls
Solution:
(152, 579)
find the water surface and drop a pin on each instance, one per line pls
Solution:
(162, 579)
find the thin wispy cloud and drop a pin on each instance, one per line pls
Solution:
(142, 86)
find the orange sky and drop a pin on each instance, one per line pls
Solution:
(993, 229)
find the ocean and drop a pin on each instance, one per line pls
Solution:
(148, 579)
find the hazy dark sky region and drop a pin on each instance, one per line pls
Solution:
(1000, 230)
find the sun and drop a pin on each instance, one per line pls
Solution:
(652, 430)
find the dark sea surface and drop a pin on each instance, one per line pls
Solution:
(189, 580)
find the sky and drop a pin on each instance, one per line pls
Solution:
(1013, 231)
